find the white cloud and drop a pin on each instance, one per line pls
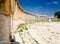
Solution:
(55, 2)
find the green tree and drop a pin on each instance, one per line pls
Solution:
(21, 27)
(57, 14)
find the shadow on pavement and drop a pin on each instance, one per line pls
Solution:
(12, 40)
(15, 42)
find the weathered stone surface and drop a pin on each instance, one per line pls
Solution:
(4, 28)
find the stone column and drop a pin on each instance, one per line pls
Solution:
(4, 21)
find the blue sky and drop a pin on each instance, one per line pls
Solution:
(42, 7)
